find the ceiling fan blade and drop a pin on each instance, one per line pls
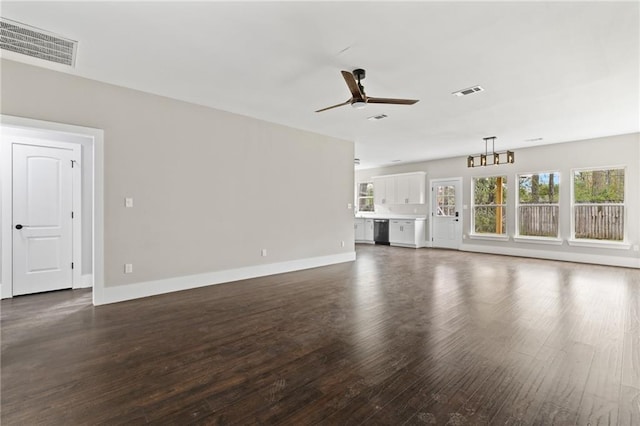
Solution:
(371, 100)
(353, 85)
(335, 106)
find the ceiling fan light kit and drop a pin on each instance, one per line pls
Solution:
(510, 157)
(358, 98)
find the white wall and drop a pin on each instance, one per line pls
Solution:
(210, 188)
(622, 150)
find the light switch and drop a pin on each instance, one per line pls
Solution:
(349, 206)
(128, 202)
(128, 268)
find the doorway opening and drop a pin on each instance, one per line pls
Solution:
(62, 165)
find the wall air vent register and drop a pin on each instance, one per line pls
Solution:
(40, 44)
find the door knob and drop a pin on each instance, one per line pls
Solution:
(18, 226)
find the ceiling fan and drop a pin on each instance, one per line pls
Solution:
(358, 98)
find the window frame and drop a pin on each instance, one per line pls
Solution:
(437, 206)
(487, 235)
(586, 242)
(534, 238)
(358, 197)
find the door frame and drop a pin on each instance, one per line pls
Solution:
(76, 200)
(95, 137)
(430, 215)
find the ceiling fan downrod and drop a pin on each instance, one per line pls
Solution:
(359, 74)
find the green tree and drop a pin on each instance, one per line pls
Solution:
(599, 186)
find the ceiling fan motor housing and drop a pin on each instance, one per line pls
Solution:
(359, 73)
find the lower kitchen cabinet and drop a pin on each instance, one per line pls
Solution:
(368, 231)
(363, 230)
(358, 226)
(407, 232)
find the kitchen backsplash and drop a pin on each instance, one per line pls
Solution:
(410, 209)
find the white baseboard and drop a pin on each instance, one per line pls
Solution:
(86, 281)
(404, 245)
(152, 288)
(628, 262)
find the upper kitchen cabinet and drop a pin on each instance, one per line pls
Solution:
(406, 188)
(410, 188)
(384, 188)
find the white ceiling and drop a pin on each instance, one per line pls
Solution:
(559, 71)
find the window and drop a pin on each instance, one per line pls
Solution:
(365, 196)
(489, 214)
(538, 204)
(446, 200)
(598, 204)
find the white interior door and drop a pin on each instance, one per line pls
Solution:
(42, 218)
(446, 216)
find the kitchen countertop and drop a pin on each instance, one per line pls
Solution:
(389, 216)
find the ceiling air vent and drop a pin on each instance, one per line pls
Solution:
(470, 90)
(26, 40)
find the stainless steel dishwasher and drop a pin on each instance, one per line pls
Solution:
(381, 231)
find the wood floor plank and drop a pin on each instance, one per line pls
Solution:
(595, 410)
(397, 337)
(629, 406)
(524, 398)
(631, 359)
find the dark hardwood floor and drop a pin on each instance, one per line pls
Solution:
(401, 336)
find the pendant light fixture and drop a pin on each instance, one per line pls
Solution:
(509, 155)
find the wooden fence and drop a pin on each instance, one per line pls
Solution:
(538, 221)
(599, 222)
(596, 222)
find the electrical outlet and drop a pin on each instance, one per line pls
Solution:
(263, 252)
(349, 206)
(128, 268)
(341, 243)
(128, 202)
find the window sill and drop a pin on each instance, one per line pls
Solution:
(490, 237)
(618, 245)
(538, 240)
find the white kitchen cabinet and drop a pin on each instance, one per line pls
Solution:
(410, 188)
(368, 231)
(408, 228)
(384, 190)
(407, 232)
(358, 226)
(395, 232)
(406, 188)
